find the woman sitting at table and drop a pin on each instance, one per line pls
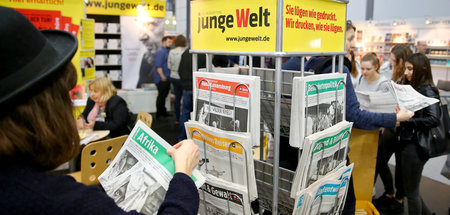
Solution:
(105, 110)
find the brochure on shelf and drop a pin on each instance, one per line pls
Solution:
(318, 102)
(325, 196)
(139, 175)
(322, 153)
(218, 196)
(228, 102)
(228, 155)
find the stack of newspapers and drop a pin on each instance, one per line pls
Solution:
(325, 196)
(322, 153)
(228, 102)
(227, 160)
(318, 102)
(139, 175)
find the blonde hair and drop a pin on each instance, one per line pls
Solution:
(104, 85)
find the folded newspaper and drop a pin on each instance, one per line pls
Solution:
(322, 152)
(222, 197)
(139, 175)
(224, 154)
(318, 102)
(405, 96)
(325, 196)
(228, 102)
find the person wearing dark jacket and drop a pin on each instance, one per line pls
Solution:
(105, 110)
(418, 75)
(38, 132)
(185, 71)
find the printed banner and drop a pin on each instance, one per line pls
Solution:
(313, 26)
(234, 26)
(154, 8)
(141, 38)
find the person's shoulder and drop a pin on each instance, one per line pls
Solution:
(116, 99)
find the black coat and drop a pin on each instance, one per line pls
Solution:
(116, 119)
(185, 69)
(423, 119)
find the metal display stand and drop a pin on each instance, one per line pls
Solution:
(276, 89)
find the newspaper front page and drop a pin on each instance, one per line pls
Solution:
(228, 102)
(223, 159)
(222, 197)
(322, 153)
(318, 102)
(139, 175)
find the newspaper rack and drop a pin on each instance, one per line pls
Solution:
(274, 182)
(204, 160)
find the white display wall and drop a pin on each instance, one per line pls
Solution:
(371, 37)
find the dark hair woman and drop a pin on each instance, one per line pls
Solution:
(418, 75)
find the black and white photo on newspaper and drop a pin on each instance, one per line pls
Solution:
(139, 176)
(228, 102)
(323, 152)
(318, 102)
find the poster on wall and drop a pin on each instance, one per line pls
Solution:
(57, 14)
(87, 64)
(141, 38)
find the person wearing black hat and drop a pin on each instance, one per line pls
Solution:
(38, 131)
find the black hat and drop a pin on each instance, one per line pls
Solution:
(29, 58)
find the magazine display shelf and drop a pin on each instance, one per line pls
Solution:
(276, 89)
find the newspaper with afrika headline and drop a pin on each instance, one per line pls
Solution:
(322, 153)
(405, 96)
(325, 196)
(226, 155)
(228, 102)
(222, 197)
(318, 102)
(139, 175)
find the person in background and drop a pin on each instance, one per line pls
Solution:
(421, 47)
(185, 71)
(418, 75)
(105, 110)
(361, 119)
(161, 77)
(371, 80)
(173, 63)
(399, 54)
(38, 132)
(391, 200)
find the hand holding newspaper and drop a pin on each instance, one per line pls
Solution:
(139, 175)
